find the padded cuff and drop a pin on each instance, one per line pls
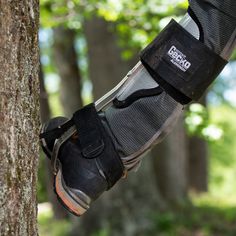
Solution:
(181, 64)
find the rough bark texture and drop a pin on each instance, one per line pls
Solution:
(45, 114)
(124, 210)
(171, 165)
(19, 116)
(66, 63)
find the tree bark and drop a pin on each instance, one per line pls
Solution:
(65, 58)
(19, 116)
(45, 114)
(170, 161)
(124, 210)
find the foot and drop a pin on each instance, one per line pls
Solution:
(79, 178)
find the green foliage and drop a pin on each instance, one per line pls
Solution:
(50, 227)
(198, 123)
(137, 22)
(206, 218)
(56, 107)
(41, 184)
(233, 57)
(103, 232)
(223, 153)
(57, 12)
(196, 119)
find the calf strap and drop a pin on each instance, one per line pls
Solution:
(181, 64)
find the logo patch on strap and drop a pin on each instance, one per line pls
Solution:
(178, 59)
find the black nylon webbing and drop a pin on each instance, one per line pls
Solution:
(57, 132)
(181, 64)
(89, 129)
(96, 143)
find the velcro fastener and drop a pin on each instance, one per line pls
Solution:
(56, 132)
(181, 63)
(87, 123)
(95, 142)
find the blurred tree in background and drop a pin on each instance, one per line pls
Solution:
(87, 47)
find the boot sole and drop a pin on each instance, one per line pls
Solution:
(77, 207)
(75, 204)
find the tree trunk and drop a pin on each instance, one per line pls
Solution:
(198, 162)
(106, 68)
(66, 63)
(124, 210)
(45, 114)
(198, 165)
(171, 165)
(19, 116)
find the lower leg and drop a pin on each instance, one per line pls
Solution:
(91, 151)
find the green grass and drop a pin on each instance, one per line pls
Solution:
(207, 217)
(48, 226)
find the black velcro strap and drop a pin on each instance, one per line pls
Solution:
(96, 143)
(90, 137)
(181, 64)
(57, 132)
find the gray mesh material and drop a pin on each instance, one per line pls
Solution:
(135, 125)
(218, 20)
(136, 128)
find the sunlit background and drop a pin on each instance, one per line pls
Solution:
(187, 185)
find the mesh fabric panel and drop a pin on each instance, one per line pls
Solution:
(218, 20)
(135, 125)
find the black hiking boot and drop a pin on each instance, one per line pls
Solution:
(84, 167)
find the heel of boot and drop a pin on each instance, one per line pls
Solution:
(77, 203)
